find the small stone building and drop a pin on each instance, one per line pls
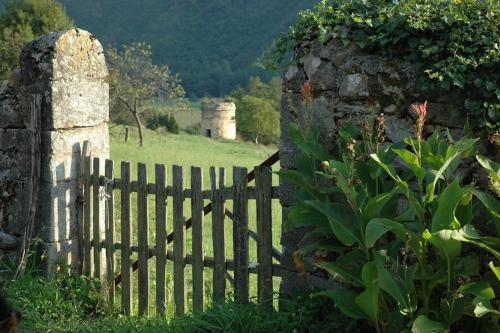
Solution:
(218, 119)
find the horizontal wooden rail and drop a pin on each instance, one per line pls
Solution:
(207, 260)
(169, 190)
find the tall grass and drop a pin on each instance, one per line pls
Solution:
(70, 304)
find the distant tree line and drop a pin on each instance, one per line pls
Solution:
(135, 80)
(22, 21)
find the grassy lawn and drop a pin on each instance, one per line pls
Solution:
(186, 151)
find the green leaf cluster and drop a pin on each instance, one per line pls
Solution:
(23, 21)
(415, 247)
(453, 43)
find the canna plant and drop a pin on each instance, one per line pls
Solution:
(395, 224)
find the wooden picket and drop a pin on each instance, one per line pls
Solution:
(179, 242)
(99, 193)
(110, 232)
(161, 236)
(219, 246)
(142, 238)
(197, 239)
(126, 238)
(240, 234)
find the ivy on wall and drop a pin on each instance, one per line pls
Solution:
(454, 43)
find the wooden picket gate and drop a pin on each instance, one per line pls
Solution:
(100, 250)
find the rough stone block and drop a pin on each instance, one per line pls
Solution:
(67, 166)
(287, 192)
(13, 141)
(14, 196)
(11, 115)
(324, 78)
(398, 128)
(311, 64)
(354, 86)
(69, 70)
(57, 210)
(77, 104)
(69, 142)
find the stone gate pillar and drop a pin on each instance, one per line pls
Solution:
(69, 71)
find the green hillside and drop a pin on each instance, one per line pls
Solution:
(212, 44)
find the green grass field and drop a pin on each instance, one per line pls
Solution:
(186, 151)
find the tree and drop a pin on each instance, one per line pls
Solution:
(257, 110)
(257, 119)
(23, 21)
(135, 80)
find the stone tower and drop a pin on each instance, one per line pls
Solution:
(218, 119)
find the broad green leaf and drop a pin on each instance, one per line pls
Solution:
(368, 299)
(298, 179)
(388, 168)
(377, 227)
(451, 308)
(412, 160)
(492, 166)
(345, 302)
(491, 204)
(343, 222)
(345, 273)
(444, 217)
(483, 307)
(395, 287)
(431, 188)
(310, 147)
(469, 234)
(305, 217)
(447, 246)
(412, 197)
(479, 289)
(424, 325)
(376, 204)
(467, 266)
(452, 153)
(495, 270)
(464, 145)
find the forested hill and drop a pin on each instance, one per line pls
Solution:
(213, 44)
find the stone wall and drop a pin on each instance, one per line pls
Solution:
(348, 84)
(218, 119)
(69, 71)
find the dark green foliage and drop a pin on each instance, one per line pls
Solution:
(24, 20)
(172, 125)
(257, 110)
(58, 303)
(308, 314)
(397, 227)
(453, 43)
(193, 129)
(213, 45)
(158, 120)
